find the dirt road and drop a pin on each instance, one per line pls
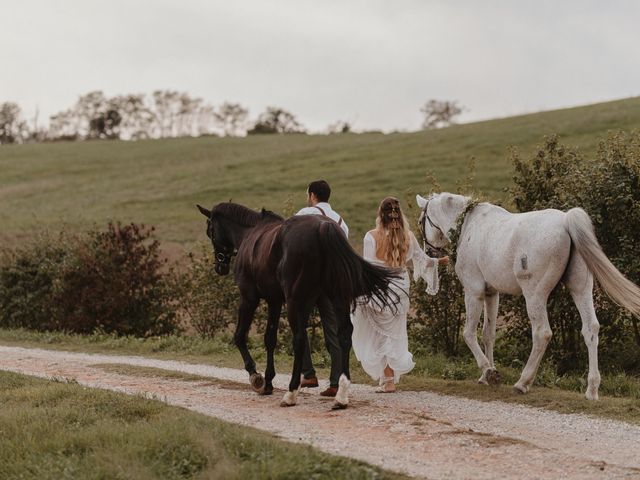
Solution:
(419, 433)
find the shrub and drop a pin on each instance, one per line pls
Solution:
(210, 301)
(27, 277)
(107, 281)
(436, 321)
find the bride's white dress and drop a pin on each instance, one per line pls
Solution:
(380, 334)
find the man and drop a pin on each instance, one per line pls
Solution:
(318, 194)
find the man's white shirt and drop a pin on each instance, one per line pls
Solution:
(328, 211)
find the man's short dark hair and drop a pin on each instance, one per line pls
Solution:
(321, 189)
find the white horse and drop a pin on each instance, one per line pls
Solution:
(524, 254)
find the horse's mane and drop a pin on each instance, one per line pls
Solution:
(242, 215)
(268, 214)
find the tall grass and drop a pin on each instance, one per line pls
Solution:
(56, 430)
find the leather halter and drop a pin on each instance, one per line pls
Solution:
(223, 255)
(423, 219)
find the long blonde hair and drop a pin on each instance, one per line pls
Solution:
(392, 235)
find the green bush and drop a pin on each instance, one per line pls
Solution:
(209, 301)
(108, 281)
(608, 188)
(27, 277)
(436, 321)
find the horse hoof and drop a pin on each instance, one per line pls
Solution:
(493, 377)
(257, 382)
(338, 406)
(290, 399)
(590, 395)
(520, 389)
(267, 390)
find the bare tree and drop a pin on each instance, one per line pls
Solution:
(276, 120)
(206, 120)
(232, 119)
(339, 127)
(89, 108)
(13, 129)
(63, 126)
(137, 117)
(440, 113)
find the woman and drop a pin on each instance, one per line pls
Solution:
(380, 334)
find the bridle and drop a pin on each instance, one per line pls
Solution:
(223, 254)
(424, 218)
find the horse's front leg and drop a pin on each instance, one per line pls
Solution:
(270, 339)
(246, 310)
(298, 315)
(474, 304)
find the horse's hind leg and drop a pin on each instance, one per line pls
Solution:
(270, 340)
(248, 305)
(491, 302)
(474, 306)
(345, 332)
(541, 335)
(580, 283)
(298, 312)
(331, 330)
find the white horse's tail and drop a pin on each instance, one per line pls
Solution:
(621, 290)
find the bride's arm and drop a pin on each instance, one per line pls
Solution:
(424, 266)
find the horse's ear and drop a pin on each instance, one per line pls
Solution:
(204, 211)
(421, 201)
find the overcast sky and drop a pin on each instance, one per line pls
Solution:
(370, 62)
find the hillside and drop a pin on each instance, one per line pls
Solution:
(159, 181)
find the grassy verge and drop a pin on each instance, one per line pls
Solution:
(620, 394)
(53, 430)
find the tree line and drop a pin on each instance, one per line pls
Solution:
(170, 114)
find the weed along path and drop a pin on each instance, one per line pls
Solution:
(419, 433)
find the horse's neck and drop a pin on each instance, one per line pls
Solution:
(238, 233)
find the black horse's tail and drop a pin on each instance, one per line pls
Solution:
(348, 276)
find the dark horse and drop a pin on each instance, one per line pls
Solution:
(304, 261)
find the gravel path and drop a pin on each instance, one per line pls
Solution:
(419, 433)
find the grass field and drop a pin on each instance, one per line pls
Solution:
(159, 181)
(54, 430)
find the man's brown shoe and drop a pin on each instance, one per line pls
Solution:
(329, 392)
(309, 382)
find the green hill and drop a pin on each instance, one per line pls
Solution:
(159, 181)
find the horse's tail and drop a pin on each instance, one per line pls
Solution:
(347, 276)
(621, 290)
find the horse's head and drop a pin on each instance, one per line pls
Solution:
(438, 216)
(223, 248)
